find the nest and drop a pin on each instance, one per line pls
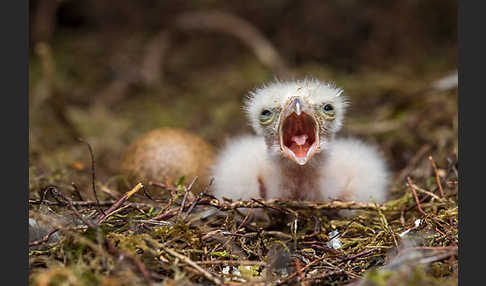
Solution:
(186, 238)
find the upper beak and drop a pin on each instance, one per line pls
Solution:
(296, 106)
(298, 131)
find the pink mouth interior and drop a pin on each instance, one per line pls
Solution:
(299, 134)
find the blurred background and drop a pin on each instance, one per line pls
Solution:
(109, 71)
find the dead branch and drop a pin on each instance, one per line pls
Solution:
(93, 173)
(218, 21)
(116, 205)
(186, 260)
(247, 33)
(410, 184)
(437, 176)
(289, 204)
(87, 203)
(44, 20)
(45, 238)
(73, 208)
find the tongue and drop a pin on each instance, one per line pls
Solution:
(300, 140)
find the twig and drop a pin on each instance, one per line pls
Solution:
(116, 205)
(87, 203)
(162, 185)
(192, 183)
(244, 220)
(183, 203)
(193, 205)
(45, 238)
(231, 262)
(223, 206)
(299, 270)
(415, 196)
(93, 173)
(187, 260)
(293, 275)
(76, 191)
(276, 203)
(437, 176)
(73, 208)
(362, 253)
(247, 33)
(427, 192)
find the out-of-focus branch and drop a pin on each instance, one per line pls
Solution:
(235, 26)
(214, 21)
(44, 20)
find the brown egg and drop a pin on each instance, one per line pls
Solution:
(168, 153)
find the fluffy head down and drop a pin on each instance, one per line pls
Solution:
(269, 107)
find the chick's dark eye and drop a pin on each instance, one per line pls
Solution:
(266, 113)
(328, 107)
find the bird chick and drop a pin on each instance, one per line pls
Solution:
(294, 154)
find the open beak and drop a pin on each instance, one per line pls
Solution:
(298, 131)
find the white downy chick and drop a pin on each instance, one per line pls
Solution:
(294, 154)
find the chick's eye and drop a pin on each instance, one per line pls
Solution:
(328, 107)
(266, 113)
(266, 117)
(328, 111)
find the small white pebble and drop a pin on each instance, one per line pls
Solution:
(226, 270)
(334, 242)
(417, 223)
(236, 271)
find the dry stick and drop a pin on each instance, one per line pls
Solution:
(45, 238)
(223, 206)
(274, 208)
(415, 196)
(231, 262)
(188, 189)
(93, 173)
(233, 25)
(192, 183)
(76, 191)
(193, 204)
(427, 192)
(437, 176)
(279, 203)
(116, 205)
(162, 185)
(362, 253)
(321, 276)
(244, 220)
(299, 270)
(73, 208)
(183, 203)
(97, 248)
(187, 260)
(87, 203)
(293, 275)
